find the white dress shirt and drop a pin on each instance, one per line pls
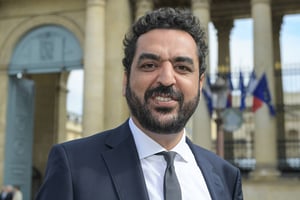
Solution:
(191, 180)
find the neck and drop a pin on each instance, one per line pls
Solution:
(168, 141)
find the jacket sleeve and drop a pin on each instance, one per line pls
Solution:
(57, 181)
(238, 193)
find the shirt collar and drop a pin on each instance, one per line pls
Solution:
(146, 146)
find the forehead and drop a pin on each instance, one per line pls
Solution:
(168, 42)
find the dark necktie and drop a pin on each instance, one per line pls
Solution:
(171, 185)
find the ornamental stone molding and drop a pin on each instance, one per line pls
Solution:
(29, 23)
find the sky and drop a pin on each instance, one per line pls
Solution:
(241, 51)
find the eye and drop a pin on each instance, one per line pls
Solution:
(148, 66)
(184, 69)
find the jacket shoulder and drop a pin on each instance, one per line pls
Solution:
(211, 157)
(97, 142)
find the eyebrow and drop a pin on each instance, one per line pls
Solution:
(151, 56)
(184, 59)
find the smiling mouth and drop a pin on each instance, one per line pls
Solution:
(164, 103)
(163, 95)
(163, 99)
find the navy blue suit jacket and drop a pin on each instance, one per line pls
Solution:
(106, 166)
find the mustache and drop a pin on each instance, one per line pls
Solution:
(164, 91)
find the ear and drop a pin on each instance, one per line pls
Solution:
(124, 85)
(201, 81)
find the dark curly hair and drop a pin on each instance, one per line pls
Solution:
(168, 18)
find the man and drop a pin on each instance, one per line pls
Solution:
(164, 71)
(6, 192)
(18, 195)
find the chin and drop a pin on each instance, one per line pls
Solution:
(163, 117)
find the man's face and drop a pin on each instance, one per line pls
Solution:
(163, 87)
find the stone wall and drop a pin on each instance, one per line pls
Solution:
(280, 189)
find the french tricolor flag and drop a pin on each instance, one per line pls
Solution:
(229, 92)
(243, 92)
(261, 94)
(252, 83)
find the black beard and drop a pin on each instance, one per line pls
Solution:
(143, 114)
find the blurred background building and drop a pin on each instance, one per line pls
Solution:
(43, 41)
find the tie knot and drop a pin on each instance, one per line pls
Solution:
(169, 156)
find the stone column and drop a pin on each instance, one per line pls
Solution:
(61, 114)
(3, 107)
(201, 9)
(280, 125)
(115, 104)
(265, 124)
(94, 62)
(143, 6)
(201, 122)
(224, 28)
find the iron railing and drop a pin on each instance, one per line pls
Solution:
(239, 148)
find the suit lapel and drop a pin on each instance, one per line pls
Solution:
(212, 179)
(124, 165)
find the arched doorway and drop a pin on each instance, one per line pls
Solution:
(38, 71)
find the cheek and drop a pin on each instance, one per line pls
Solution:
(190, 89)
(192, 92)
(138, 84)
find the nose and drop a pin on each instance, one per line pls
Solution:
(166, 74)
